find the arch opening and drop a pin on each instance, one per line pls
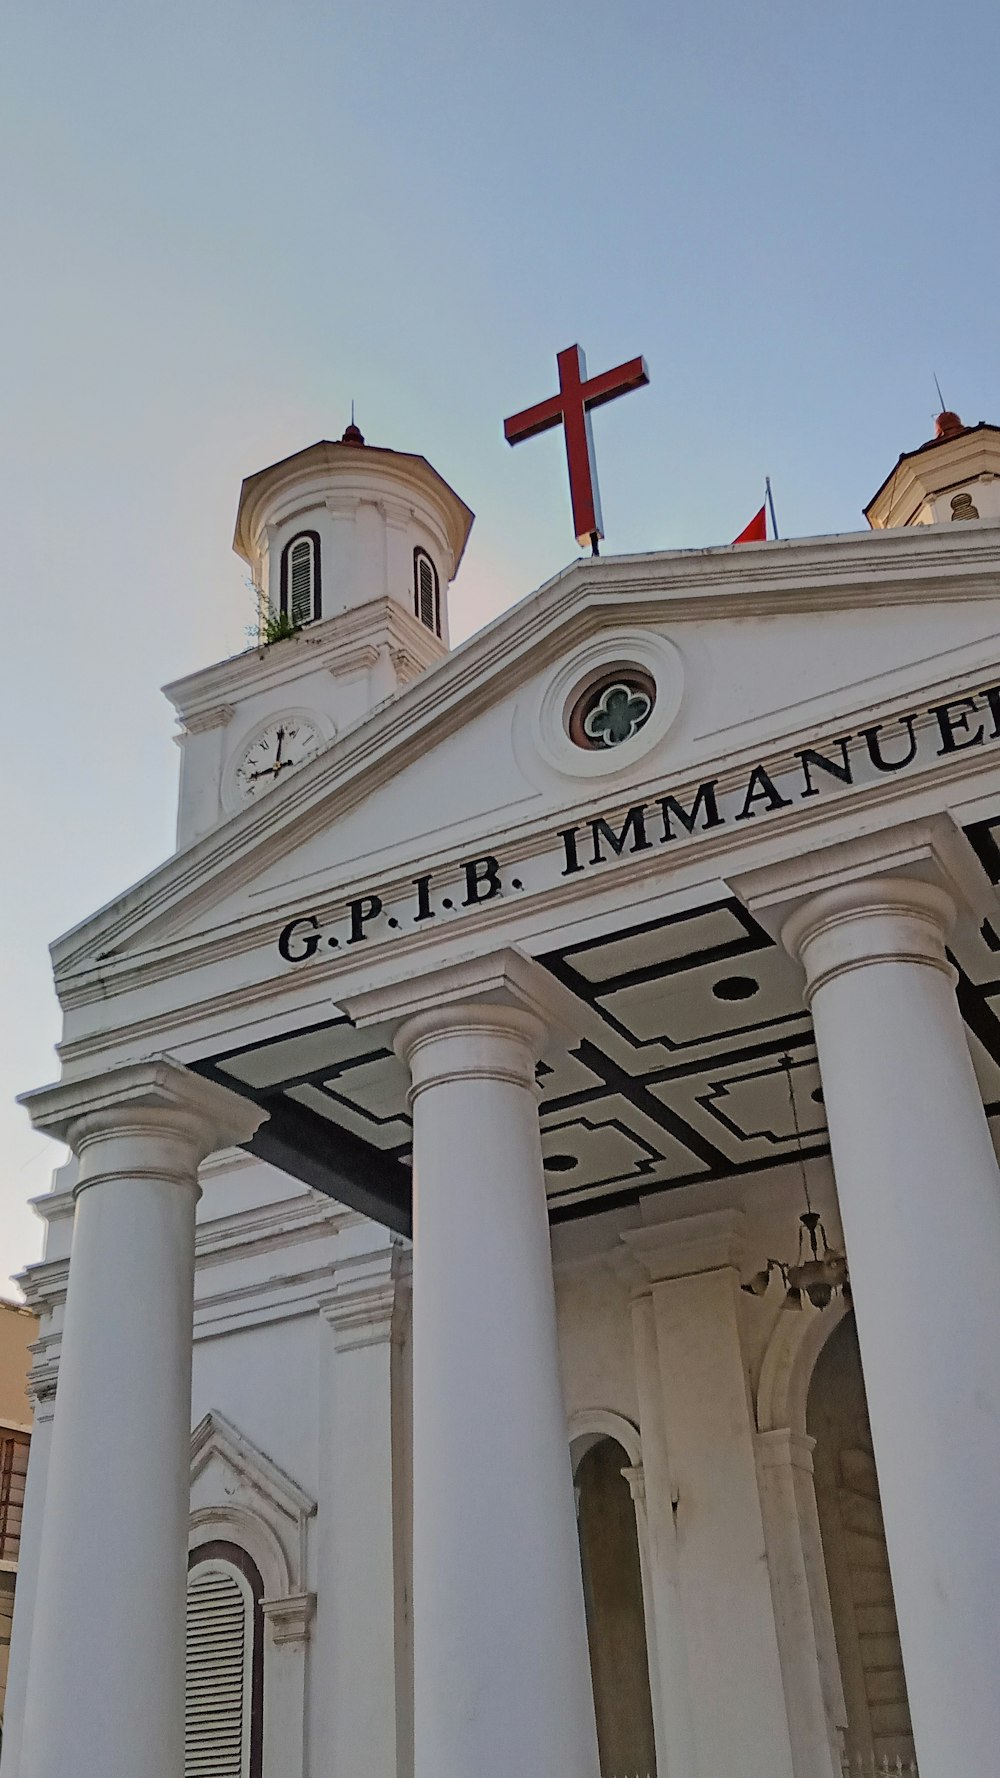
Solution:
(852, 1533)
(612, 1586)
(224, 1662)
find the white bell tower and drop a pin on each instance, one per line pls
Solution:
(954, 476)
(352, 549)
(345, 525)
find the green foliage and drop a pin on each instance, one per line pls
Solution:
(271, 625)
(277, 625)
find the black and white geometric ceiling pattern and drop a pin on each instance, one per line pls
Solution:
(679, 1077)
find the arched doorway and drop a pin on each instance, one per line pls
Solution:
(854, 1551)
(616, 1629)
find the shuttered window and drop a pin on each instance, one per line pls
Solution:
(218, 1672)
(300, 578)
(426, 591)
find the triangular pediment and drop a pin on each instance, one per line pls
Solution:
(237, 1486)
(773, 644)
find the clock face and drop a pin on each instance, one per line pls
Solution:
(275, 751)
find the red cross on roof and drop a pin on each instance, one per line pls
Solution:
(578, 393)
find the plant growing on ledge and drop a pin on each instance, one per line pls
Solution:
(276, 626)
(271, 625)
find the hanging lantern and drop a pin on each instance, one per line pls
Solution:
(819, 1271)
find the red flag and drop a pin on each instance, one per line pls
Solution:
(756, 531)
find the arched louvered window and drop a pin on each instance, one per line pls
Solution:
(300, 578)
(224, 1665)
(426, 591)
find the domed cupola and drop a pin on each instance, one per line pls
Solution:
(351, 549)
(345, 525)
(954, 476)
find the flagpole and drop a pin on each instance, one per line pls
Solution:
(770, 502)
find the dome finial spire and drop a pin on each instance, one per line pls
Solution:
(946, 423)
(352, 433)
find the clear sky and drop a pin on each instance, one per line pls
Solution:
(221, 221)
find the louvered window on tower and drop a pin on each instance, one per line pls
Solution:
(300, 579)
(218, 1672)
(426, 591)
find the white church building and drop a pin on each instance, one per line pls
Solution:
(549, 1074)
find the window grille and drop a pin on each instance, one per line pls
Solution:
(14, 1448)
(300, 578)
(426, 591)
(218, 1674)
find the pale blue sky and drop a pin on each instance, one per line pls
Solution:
(221, 221)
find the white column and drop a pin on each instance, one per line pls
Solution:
(735, 1691)
(501, 1669)
(788, 1503)
(106, 1673)
(919, 1193)
(675, 1742)
(27, 1575)
(355, 1644)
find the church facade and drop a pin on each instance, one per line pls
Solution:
(523, 1295)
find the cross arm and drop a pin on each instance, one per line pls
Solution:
(532, 420)
(598, 390)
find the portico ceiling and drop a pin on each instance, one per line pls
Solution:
(678, 1078)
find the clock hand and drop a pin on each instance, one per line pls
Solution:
(272, 771)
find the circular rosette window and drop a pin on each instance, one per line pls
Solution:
(609, 702)
(612, 708)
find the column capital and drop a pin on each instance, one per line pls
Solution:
(933, 851)
(152, 1099)
(635, 1476)
(708, 1242)
(895, 919)
(487, 1018)
(781, 1448)
(506, 980)
(290, 1617)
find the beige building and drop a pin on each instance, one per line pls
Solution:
(18, 1328)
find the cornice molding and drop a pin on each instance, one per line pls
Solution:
(360, 1307)
(215, 716)
(287, 1223)
(158, 1092)
(340, 643)
(504, 978)
(44, 1284)
(709, 1242)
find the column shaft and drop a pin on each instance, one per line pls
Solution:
(105, 1687)
(501, 1669)
(675, 1740)
(919, 1193)
(355, 1640)
(109, 1607)
(788, 1503)
(737, 1696)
